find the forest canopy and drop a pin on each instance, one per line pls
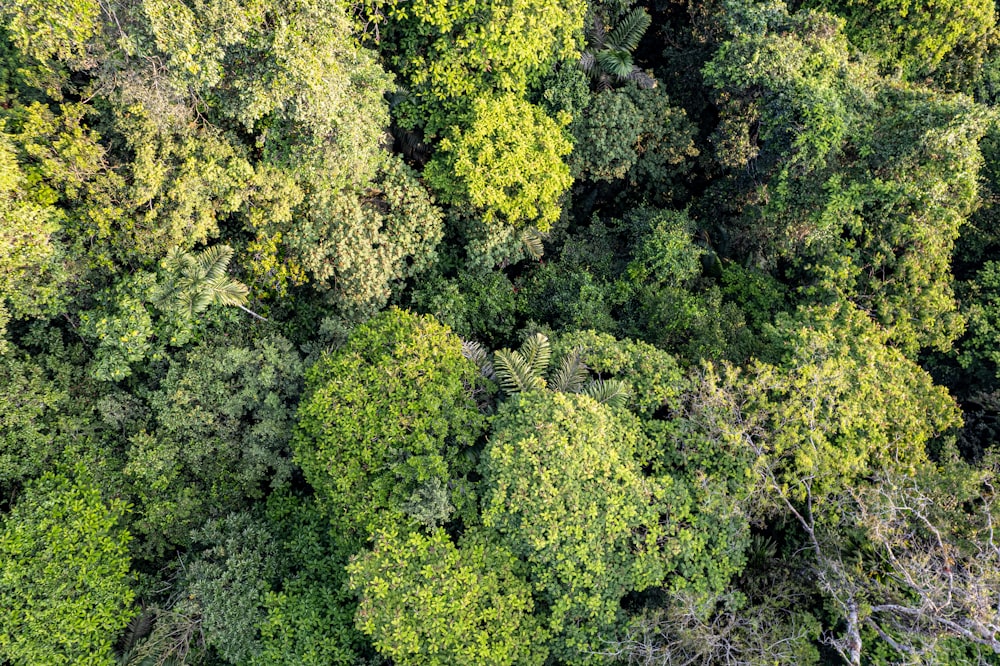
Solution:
(512, 332)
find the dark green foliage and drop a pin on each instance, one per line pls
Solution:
(218, 435)
(978, 351)
(634, 133)
(357, 245)
(310, 620)
(228, 581)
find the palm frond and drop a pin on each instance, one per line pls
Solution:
(176, 260)
(587, 61)
(213, 261)
(514, 372)
(616, 62)
(597, 34)
(613, 392)
(532, 239)
(571, 374)
(227, 291)
(193, 282)
(479, 355)
(629, 31)
(537, 353)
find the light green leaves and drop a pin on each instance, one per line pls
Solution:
(425, 601)
(64, 581)
(507, 163)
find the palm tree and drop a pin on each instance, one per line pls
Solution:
(520, 371)
(196, 281)
(608, 55)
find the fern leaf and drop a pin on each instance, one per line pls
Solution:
(597, 34)
(537, 353)
(642, 79)
(629, 31)
(571, 374)
(587, 62)
(613, 392)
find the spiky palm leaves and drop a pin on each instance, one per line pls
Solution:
(608, 56)
(196, 281)
(522, 370)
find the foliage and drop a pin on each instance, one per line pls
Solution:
(507, 163)
(914, 38)
(385, 413)
(842, 405)
(228, 581)
(608, 56)
(31, 268)
(698, 301)
(450, 52)
(653, 375)
(219, 432)
(426, 601)
(564, 488)
(978, 350)
(28, 445)
(195, 282)
(869, 210)
(310, 621)
(64, 574)
(359, 245)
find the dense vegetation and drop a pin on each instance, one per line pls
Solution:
(509, 332)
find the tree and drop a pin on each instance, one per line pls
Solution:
(507, 163)
(358, 245)
(632, 133)
(612, 35)
(563, 486)
(452, 52)
(862, 182)
(385, 414)
(64, 574)
(841, 405)
(524, 369)
(426, 601)
(215, 434)
(310, 621)
(654, 376)
(31, 268)
(28, 445)
(824, 429)
(912, 38)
